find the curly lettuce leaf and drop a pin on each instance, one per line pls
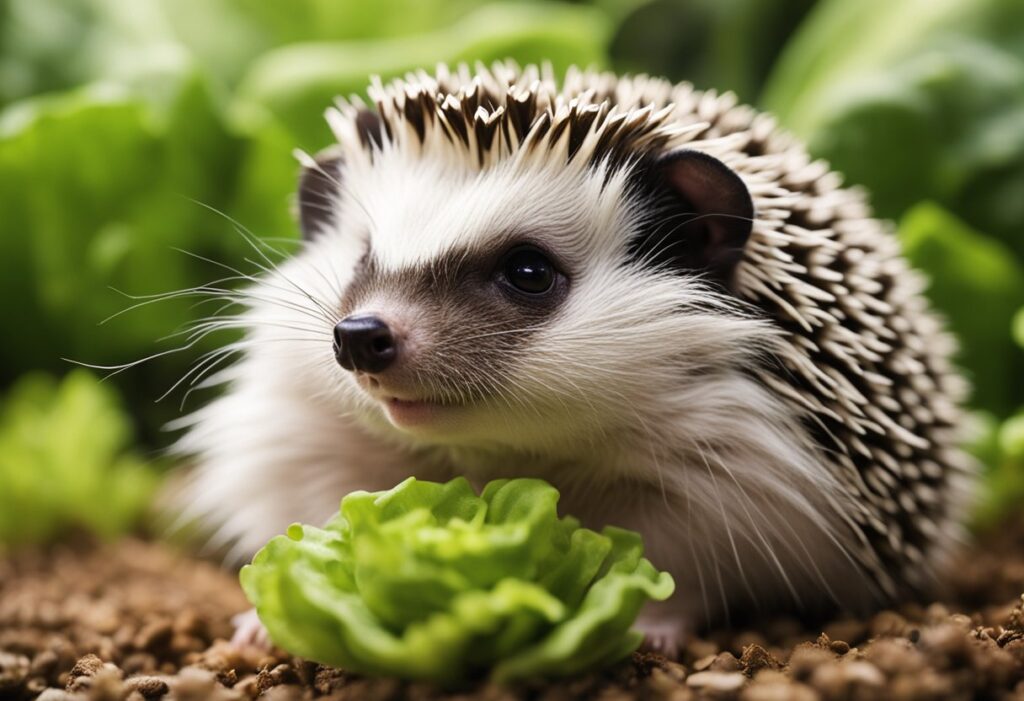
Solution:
(432, 581)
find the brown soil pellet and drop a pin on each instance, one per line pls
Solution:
(137, 621)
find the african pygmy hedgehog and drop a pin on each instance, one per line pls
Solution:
(643, 293)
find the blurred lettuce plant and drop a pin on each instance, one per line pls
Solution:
(714, 44)
(978, 285)
(1003, 453)
(95, 187)
(64, 463)
(918, 99)
(430, 581)
(296, 82)
(1000, 445)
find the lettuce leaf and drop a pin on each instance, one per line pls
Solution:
(1000, 446)
(64, 464)
(104, 189)
(431, 581)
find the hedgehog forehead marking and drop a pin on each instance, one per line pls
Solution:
(423, 211)
(477, 119)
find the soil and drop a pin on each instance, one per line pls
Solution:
(139, 621)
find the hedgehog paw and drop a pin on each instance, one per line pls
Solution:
(664, 635)
(249, 632)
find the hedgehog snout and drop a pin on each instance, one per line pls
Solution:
(364, 343)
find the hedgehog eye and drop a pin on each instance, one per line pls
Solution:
(529, 271)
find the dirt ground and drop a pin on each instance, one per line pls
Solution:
(139, 621)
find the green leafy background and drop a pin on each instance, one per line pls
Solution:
(132, 128)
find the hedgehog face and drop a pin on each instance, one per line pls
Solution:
(514, 267)
(450, 297)
(532, 305)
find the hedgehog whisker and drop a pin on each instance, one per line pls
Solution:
(261, 282)
(197, 367)
(218, 357)
(251, 239)
(197, 291)
(841, 547)
(321, 309)
(697, 561)
(308, 161)
(119, 368)
(726, 520)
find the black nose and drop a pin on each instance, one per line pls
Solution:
(364, 343)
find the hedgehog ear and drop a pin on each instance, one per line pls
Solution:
(320, 181)
(319, 186)
(711, 220)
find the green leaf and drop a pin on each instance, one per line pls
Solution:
(978, 285)
(714, 44)
(1002, 492)
(50, 45)
(1018, 327)
(99, 188)
(63, 461)
(257, 26)
(430, 581)
(1011, 438)
(296, 83)
(919, 99)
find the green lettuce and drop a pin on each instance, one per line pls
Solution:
(98, 187)
(63, 462)
(1000, 446)
(431, 581)
(1005, 486)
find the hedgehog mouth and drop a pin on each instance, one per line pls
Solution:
(411, 408)
(387, 395)
(411, 413)
(413, 401)
(397, 393)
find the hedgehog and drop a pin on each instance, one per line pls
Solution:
(648, 295)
